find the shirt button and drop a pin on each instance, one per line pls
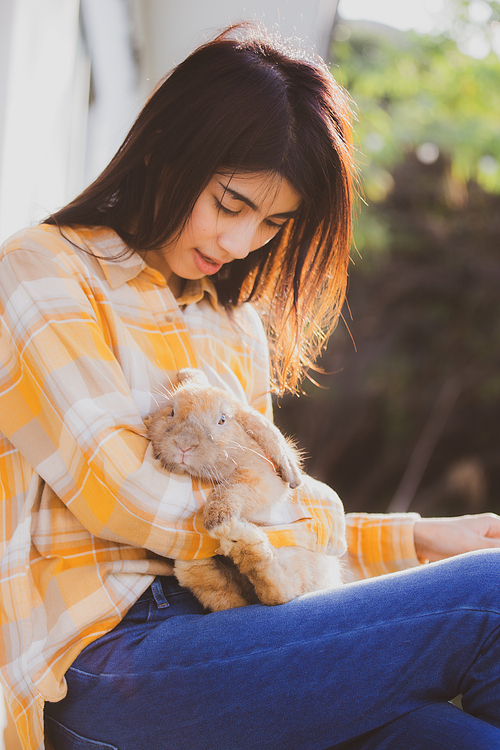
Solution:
(169, 317)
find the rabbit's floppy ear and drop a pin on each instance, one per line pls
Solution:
(191, 375)
(274, 445)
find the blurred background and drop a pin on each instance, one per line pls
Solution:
(405, 414)
(407, 410)
(408, 416)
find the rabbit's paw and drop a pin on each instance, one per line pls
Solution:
(215, 520)
(234, 530)
(289, 470)
(218, 513)
(244, 542)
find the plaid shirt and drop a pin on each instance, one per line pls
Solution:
(88, 347)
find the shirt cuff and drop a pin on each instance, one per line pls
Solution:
(379, 543)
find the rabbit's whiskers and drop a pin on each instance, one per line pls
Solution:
(226, 454)
(215, 476)
(162, 392)
(244, 448)
(160, 388)
(165, 374)
(155, 400)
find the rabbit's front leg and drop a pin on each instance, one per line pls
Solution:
(261, 565)
(227, 501)
(212, 584)
(246, 544)
(222, 518)
(250, 550)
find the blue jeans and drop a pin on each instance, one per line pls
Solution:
(371, 665)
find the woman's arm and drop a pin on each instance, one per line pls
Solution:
(438, 538)
(379, 543)
(67, 407)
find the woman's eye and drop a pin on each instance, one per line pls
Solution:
(273, 225)
(224, 209)
(223, 419)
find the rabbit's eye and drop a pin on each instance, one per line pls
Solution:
(223, 419)
(172, 414)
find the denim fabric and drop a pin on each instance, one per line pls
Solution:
(370, 665)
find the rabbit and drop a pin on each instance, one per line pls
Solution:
(207, 433)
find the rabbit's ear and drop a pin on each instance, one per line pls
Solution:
(191, 375)
(273, 444)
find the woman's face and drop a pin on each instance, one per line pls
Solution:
(234, 215)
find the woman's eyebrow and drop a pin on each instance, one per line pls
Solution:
(285, 215)
(243, 198)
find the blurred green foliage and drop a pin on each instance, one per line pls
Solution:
(420, 94)
(424, 309)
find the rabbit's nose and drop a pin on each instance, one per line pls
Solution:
(185, 446)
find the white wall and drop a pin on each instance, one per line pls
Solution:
(117, 96)
(173, 29)
(42, 117)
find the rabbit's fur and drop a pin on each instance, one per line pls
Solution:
(207, 433)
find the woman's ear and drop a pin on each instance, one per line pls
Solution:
(276, 447)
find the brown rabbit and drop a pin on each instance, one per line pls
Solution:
(207, 433)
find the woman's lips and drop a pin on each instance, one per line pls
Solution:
(205, 264)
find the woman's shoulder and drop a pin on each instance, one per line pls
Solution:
(33, 238)
(44, 239)
(53, 240)
(77, 251)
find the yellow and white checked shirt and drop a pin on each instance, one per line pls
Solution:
(88, 347)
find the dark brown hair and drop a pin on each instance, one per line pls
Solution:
(243, 103)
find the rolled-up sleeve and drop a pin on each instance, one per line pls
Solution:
(379, 543)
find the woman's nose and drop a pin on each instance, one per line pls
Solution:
(238, 241)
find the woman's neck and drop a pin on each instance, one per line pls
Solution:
(158, 262)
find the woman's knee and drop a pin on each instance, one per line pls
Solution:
(437, 725)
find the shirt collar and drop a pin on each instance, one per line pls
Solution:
(195, 290)
(105, 245)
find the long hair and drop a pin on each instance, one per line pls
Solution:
(243, 102)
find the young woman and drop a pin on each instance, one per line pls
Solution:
(231, 194)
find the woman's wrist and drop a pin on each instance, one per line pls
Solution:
(439, 538)
(420, 540)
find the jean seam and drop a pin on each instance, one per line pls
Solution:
(479, 653)
(70, 733)
(292, 644)
(151, 611)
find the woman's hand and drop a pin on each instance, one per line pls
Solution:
(438, 538)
